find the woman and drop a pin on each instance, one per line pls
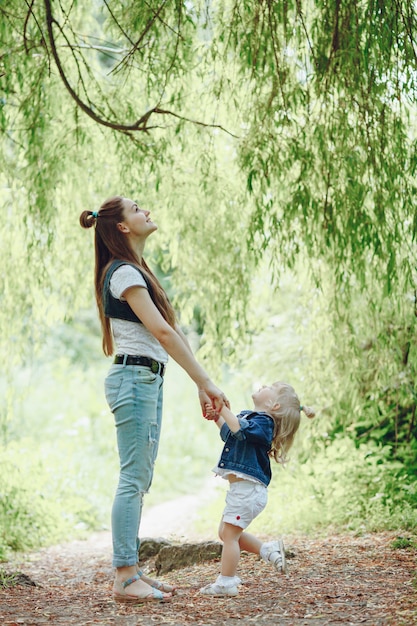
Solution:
(138, 319)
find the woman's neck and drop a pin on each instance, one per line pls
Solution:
(138, 248)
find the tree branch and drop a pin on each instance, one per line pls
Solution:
(140, 125)
(196, 122)
(144, 32)
(25, 25)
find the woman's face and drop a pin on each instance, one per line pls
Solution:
(136, 222)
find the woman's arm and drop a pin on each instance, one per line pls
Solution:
(174, 343)
(203, 397)
(179, 331)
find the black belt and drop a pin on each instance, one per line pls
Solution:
(155, 366)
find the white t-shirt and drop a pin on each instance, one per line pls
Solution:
(131, 337)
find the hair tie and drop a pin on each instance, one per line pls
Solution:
(301, 407)
(94, 213)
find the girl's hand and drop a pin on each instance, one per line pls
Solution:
(210, 413)
(211, 395)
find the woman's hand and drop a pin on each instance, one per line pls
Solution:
(211, 395)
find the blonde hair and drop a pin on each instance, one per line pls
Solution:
(286, 420)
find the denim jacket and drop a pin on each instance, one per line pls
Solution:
(247, 450)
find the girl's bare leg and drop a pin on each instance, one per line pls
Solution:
(250, 543)
(230, 535)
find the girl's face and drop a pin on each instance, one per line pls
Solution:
(136, 222)
(266, 397)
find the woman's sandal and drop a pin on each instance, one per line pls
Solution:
(156, 595)
(157, 584)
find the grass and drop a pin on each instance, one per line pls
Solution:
(404, 543)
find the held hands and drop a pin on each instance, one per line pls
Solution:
(210, 413)
(210, 396)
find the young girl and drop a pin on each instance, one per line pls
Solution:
(138, 318)
(251, 438)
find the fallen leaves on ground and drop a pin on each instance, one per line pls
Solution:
(331, 581)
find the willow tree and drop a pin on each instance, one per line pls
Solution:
(256, 127)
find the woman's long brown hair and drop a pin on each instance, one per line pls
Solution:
(110, 245)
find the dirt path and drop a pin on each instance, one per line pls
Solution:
(331, 581)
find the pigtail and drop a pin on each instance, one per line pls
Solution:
(309, 412)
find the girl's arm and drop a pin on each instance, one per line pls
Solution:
(230, 419)
(225, 415)
(174, 343)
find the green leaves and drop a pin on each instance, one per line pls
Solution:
(293, 123)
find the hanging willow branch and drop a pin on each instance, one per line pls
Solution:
(142, 123)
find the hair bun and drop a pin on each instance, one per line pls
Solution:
(86, 220)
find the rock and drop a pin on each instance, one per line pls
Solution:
(290, 553)
(186, 554)
(13, 579)
(170, 556)
(150, 546)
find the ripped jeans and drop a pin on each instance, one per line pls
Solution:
(134, 394)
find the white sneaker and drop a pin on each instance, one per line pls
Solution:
(274, 552)
(219, 590)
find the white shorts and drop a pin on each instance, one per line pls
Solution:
(244, 501)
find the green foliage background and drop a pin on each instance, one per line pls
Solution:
(275, 144)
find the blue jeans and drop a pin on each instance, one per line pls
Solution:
(134, 394)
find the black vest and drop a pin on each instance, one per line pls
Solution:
(113, 307)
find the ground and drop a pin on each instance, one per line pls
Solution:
(340, 579)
